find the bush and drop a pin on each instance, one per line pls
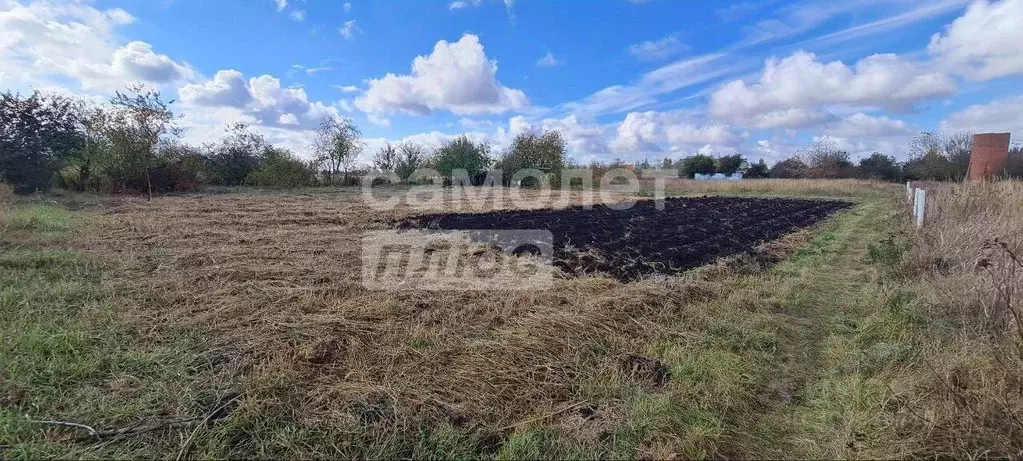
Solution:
(792, 168)
(881, 167)
(544, 151)
(6, 195)
(463, 154)
(280, 169)
(702, 164)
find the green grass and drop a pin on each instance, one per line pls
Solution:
(66, 355)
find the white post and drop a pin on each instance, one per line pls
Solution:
(909, 191)
(914, 196)
(921, 205)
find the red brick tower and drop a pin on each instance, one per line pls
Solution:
(990, 152)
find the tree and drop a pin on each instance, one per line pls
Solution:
(666, 163)
(411, 157)
(826, 160)
(338, 144)
(386, 159)
(958, 148)
(544, 151)
(702, 164)
(36, 134)
(147, 118)
(758, 170)
(789, 168)
(280, 169)
(729, 164)
(463, 154)
(92, 156)
(1014, 165)
(235, 156)
(880, 166)
(930, 158)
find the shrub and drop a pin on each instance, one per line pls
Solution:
(880, 166)
(36, 133)
(702, 164)
(6, 195)
(729, 164)
(280, 169)
(463, 154)
(792, 168)
(544, 151)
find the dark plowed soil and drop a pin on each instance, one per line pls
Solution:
(642, 240)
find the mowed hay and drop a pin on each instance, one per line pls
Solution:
(276, 282)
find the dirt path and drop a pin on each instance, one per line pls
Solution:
(827, 288)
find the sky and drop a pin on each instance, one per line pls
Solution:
(620, 79)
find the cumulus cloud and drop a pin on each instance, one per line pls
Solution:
(791, 91)
(646, 132)
(998, 116)
(863, 125)
(983, 43)
(262, 97)
(45, 42)
(459, 4)
(660, 49)
(456, 77)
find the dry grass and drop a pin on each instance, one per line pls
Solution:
(780, 187)
(966, 270)
(274, 281)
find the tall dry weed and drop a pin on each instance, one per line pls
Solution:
(968, 260)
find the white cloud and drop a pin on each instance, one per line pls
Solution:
(791, 92)
(298, 15)
(349, 29)
(547, 60)
(347, 7)
(984, 43)
(281, 4)
(470, 123)
(656, 50)
(227, 88)
(43, 43)
(646, 132)
(459, 4)
(456, 77)
(346, 88)
(261, 97)
(998, 116)
(581, 138)
(860, 125)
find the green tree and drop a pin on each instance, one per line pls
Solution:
(702, 164)
(235, 156)
(463, 154)
(36, 134)
(146, 118)
(789, 169)
(92, 157)
(280, 169)
(667, 163)
(729, 164)
(758, 170)
(544, 151)
(881, 167)
(338, 144)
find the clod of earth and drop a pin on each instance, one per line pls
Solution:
(642, 240)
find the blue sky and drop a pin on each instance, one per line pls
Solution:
(625, 79)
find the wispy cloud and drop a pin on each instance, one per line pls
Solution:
(547, 61)
(660, 49)
(349, 29)
(298, 15)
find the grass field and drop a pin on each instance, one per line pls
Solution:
(235, 325)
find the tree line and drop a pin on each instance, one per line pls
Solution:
(931, 157)
(131, 144)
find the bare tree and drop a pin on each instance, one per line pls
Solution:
(386, 159)
(148, 118)
(411, 157)
(338, 143)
